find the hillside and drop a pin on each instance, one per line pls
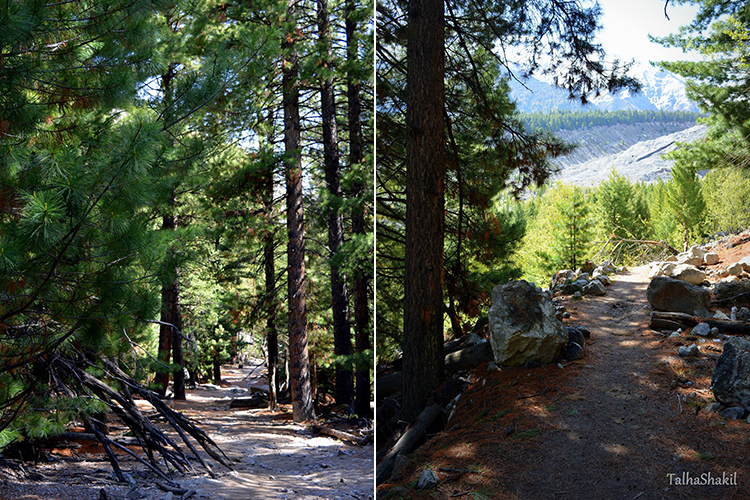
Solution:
(635, 151)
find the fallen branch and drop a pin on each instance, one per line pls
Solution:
(346, 436)
(675, 320)
(408, 442)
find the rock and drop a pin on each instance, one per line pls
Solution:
(428, 479)
(727, 289)
(733, 314)
(585, 331)
(731, 377)
(694, 256)
(594, 287)
(735, 269)
(661, 269)
(605, 267)
(573, 351)
(577, 296)
(561, 277)
(689, 273)
(685, 351)
(720, 315)
(584, 277)
(492, 367)
(733, 413)
(714, 407)
(480, 324)
(702, 313)
(711, 258)
(572, 288)
(702, 329)
(523, 326)
(575, 335)
(714, 332)
(674, 334)
(743, 314)
(745, 263)
(603, 279)
(667, 294)
(588, 267)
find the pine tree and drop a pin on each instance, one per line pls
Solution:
(573, 228)
(684, 198)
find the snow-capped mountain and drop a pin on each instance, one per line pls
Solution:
(661, 90)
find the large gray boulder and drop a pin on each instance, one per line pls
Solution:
(667, 294)
(686, 272)
(728, 289)
(523, 326)
(731, 377)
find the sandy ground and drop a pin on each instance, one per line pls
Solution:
(274, 459)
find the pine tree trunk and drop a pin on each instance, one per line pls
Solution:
(177, 357)
(425, 167)
(342, 341)
(272, 337)
(360, 285)
(165, 342)
(302, 402)
(217, 371)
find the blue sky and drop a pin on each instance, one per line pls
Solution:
(627, 24)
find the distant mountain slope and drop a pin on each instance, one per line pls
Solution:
(662, 90)
(641, 161)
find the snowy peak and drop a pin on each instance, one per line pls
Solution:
(661, 90)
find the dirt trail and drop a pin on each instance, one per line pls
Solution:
(274, 459)
(610, 426)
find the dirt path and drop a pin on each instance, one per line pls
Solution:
(607, 427)
(274, 459)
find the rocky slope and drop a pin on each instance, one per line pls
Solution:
(622, 148)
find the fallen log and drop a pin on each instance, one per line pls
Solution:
(673, 320)
(464, 359)
(408, 442)
(344, 436)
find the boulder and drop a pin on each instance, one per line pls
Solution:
(689, 273)
(661, 269)
(573, 351)
(575, 335)
(702, 329)
(745, 263)
(721, 315)
(561, 277)
(743, 314)
(667, 294)
(428, 479)
(733, 413)
(604, 279)
(572, 288)
(735, 269)
(728, 289)
(731, 377)
(711, 258)
(588, 267)
(523, 326)
(694, 256)
(686, 351)
(594, 287)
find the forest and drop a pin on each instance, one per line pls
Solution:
(182, 185)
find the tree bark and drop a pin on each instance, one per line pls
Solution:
(342, 342)
(425, 167)
(269, 266)
(360, 285)
(302, 401)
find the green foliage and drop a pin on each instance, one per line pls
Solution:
(727, 194)
(684, 199)
(573, 228)
(574, 120)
